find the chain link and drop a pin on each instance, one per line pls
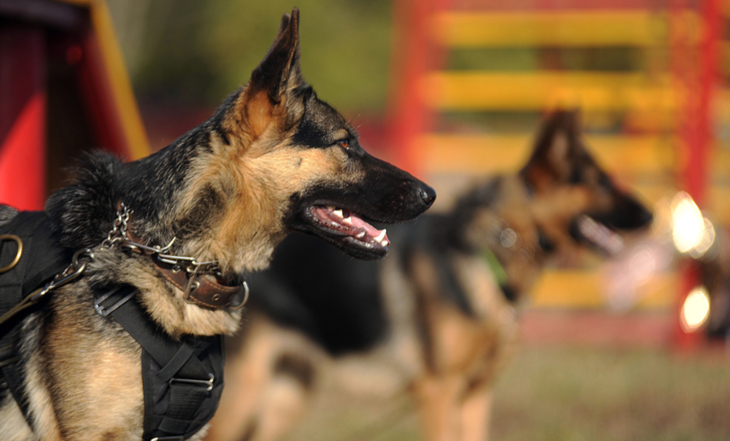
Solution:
(118, 233)
(77, 267)
(117, 236)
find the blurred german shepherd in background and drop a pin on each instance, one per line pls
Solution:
(438, 316)
(273, 159)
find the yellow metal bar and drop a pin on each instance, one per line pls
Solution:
(119, 80)
(586, 289)
(630, 28)
(524, 91)
(116, 70)
(566, 29)
(647, 154)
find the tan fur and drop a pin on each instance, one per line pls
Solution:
(263, 183)
(272, 403)
(445, 358)
(83, 372)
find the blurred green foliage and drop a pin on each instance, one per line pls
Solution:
(197, 52)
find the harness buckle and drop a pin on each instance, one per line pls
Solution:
(208, 384)
(16, 259)
(104, 311)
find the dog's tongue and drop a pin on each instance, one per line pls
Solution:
(600, 235)
(349, 223)
(378, 235)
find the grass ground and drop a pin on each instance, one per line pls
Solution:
(563, 394)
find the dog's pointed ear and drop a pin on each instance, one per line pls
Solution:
(280, 70)
(271, 95)
(556, 149)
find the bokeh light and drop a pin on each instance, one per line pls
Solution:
(695, 309)
(692, 233)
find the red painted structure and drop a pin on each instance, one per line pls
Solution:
(61, 94)
(22, 116)
(696, 72)
(694, 67)
(416, 54)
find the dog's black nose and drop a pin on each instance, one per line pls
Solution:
(428, 195)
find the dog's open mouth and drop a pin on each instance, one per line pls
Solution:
(343, 226)
(599, 235)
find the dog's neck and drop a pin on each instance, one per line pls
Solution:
(500, 229)
(216, 212)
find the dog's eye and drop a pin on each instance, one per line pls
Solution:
(344, 143)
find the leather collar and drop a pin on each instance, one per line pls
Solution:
(202, 289)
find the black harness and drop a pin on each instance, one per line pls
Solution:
(27, 242)
(182, 379)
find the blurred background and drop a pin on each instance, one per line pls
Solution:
(453, 90)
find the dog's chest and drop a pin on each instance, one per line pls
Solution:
(484, 294)
(95, 370)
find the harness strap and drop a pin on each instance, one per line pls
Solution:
(182, 380)
(39, 260)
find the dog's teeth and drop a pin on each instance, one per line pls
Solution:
(347, 220)
(385, 242)
(380, 237)
(337, 213)
(360, 235)
(331, 208)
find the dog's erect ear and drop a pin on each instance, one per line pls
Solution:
(272, 92)
(556, 149)
(280, 71)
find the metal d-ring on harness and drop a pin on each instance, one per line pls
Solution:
(18, 253)
(182, 379)
(72, 272)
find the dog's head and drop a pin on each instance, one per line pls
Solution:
(293, 162)
(572, 193)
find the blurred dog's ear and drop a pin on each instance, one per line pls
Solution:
(556, 149)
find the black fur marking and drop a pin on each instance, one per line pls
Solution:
(314, 287)
(545, 243)
(319, 124)
(84, 211)
(151, 185)
(509, 293)
(431, 235)
(296, 367)
(466, 208)
(251, 430)
(206, 211)
(216, 121)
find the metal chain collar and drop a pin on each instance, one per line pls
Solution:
(118, 237)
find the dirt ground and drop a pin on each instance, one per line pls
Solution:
(564, 393)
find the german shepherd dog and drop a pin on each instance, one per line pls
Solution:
(437, 317)
(274, 158)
